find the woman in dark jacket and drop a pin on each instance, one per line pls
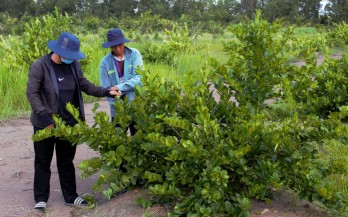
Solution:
(55, 80)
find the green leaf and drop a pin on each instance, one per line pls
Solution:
(121, 150)
(153, 177)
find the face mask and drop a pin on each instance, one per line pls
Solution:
(66, 61)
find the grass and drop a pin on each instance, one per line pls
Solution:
(13, 91)
(339, 152)
(338, 50)
(305, 30)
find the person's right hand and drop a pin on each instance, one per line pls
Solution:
(46, 120)
(115, 92)
(114, 88)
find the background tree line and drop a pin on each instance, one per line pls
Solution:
(222, 10)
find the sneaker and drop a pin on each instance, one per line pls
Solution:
(41, 206)
(78, 202)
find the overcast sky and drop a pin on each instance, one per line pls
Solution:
(323, 3)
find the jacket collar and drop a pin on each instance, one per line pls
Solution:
(127, 53)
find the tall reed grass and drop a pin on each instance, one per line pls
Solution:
(338, 151)
(12, 90)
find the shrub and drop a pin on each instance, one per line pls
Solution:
(153, 52)
(339, 35)
(7, 23)
(201, 153)
(176, 42)
(331, 87)
(179, 38)
(91, 24)
(32, 44)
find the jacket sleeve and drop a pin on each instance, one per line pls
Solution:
(106, 83)
(103, 75)
(35, 79)
(135, 78)
(88, 87)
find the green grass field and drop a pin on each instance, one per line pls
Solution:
(13, 82)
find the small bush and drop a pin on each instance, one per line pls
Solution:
(153, 52)
(24, 49)
(339, 35)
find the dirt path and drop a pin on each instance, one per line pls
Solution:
(320, 59)
(17, 169)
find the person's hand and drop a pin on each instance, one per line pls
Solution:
(114, 88)
(119, 93)
(46, 120)
(115, 92)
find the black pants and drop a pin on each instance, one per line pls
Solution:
(65, 153)
(131, 127)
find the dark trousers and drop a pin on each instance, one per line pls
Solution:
(65, 153)
(131, 127)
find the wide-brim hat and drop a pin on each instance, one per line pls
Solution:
(114, 37)
(67, 46)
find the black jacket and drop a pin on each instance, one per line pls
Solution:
(42, 89)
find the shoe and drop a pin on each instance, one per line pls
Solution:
(41, 206)
(78, 202)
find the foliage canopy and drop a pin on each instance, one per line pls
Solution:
(212, 142)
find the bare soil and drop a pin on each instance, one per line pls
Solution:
(17, 171)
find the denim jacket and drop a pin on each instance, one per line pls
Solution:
(109, 75)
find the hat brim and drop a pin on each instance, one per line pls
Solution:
(54, 46)
(114, 43)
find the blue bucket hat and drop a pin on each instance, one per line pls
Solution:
(67, 46)
(114, 37)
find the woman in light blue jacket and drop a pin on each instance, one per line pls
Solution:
(118, 68)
